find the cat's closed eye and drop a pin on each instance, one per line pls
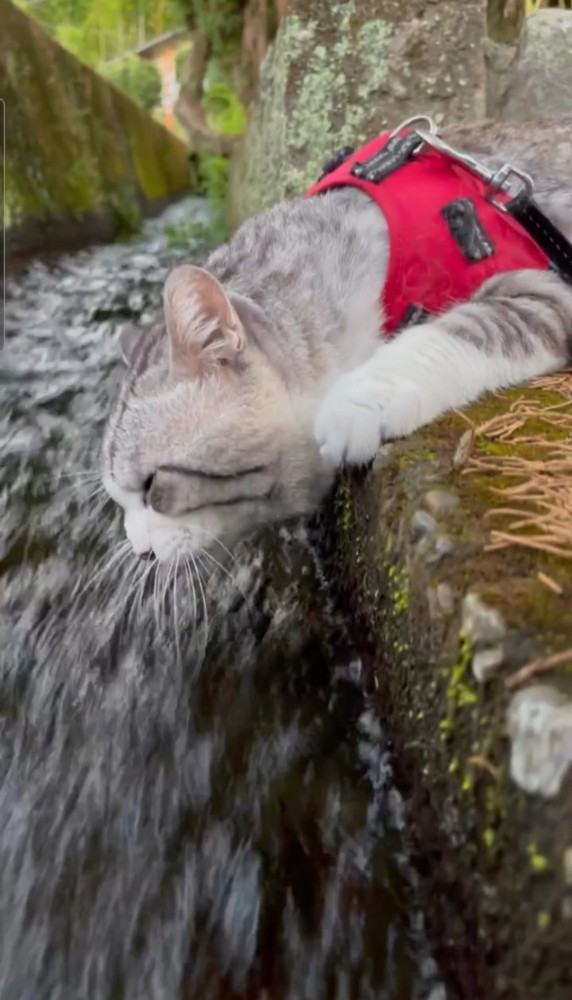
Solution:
(176, 490)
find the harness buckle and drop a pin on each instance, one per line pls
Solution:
(501, 181)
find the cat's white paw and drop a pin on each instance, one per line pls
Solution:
(362, 410)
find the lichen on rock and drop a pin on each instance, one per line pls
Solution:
(338, 73)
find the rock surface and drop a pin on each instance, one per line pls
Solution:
(538, 74)
(339, 72)
(491, 770)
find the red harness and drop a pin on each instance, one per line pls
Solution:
(446, 236)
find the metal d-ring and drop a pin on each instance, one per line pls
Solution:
(433, 130)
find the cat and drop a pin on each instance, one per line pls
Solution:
(268, 371)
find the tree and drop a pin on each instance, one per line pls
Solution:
(139, 79)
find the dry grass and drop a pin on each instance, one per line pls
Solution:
(533, 447)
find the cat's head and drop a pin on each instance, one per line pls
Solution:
(206, 441)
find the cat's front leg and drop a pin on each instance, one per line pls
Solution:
(518, 326)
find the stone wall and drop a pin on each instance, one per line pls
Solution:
(81, 157)
(531, 76)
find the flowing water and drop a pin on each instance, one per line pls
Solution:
(196, 793)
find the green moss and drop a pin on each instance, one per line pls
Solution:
(538, 863)
(489, 837)
(453, 730)
(318, 92)
(343, 504)
(398, 588)
(506, 579)
(460, 694)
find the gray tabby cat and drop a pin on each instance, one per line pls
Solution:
(269, 372)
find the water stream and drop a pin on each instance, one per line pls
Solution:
(193, 803)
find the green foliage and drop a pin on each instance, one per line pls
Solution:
(223, 110)
(83, 44)
(139, 79)
(197, 235)
(100, 30)
(219, 20)
(213, 178)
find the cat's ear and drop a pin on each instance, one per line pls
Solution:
(202, 324)
(128, 340)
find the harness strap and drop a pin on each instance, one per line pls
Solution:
(400, 149)
(557, 248)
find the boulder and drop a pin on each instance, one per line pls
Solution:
(538, 77)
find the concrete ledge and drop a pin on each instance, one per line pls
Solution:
(489, 767)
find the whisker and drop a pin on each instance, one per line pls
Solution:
(223, 569)
(189, 574)
(176, 613)
(138, 607)
(83, 476)
(138, 599)
(140, 571)
(203, 596)
(218, 542)
(111, 559)
(156, 604)
(165, 588)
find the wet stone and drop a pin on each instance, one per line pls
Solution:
(483, 625)
(445, 599)
(370, 726)
(422, 524)
(441, 502)
(486, 662)
(383, 457)
(540, 727)
(443, 546)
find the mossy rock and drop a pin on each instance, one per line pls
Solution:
(491, 856)
(340, 72)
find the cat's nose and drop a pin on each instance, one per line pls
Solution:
(147, 554)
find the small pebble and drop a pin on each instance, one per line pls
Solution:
(383, 458)
(483, 625)
(422, 524)
(442, 547)
(445, 598)
(540, 727)
(441, 502)
(486, 662)
(369, 725)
